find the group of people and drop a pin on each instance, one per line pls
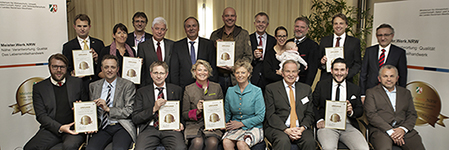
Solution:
(266, 93)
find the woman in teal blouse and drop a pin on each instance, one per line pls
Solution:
(245, 110)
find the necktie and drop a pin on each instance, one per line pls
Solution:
(192, 52)
(337, 44)
(159, 51)
(382, 58)
(85, 45)
(159, 95)
(104, 122)
(293, 116)
(337, 94)
(59, 83)
(260, 40)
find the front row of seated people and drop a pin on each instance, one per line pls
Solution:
(289, 108)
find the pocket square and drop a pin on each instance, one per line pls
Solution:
(305, 100)
(353, 97)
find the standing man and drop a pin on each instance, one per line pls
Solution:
(350, 44)
(139, 35)
(381, 54)
(115, 98)
(391, 113)
(289, 111)
(260, 38)
(307, 48)
(53, 101)
(231, 32)
(157, 49)
(148, 101)
(337, 89)
(187, 51)
(85, 42)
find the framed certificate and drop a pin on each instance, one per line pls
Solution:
(213, 112)
(83, 63)
(335, 116)
(131, 69)
(169, 116)
(225, 53)
(333, 53)
(85, 114)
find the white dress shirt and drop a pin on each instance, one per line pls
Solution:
(342, 40)
(80, 41)
(161, 43)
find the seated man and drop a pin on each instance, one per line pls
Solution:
(148, 101)
(338, 89)
(390, 123)
(289, 111)
(115, 98)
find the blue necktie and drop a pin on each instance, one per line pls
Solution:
(192, 52)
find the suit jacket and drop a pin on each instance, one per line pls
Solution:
(130, 39)
(147, 51)
(380, 112)
(73, 44)
(124, 97)
(278, 106)
(323, 92)
(180, 63)
(370, 66)
(351, 53)
(257, 77)
(44, 101)
(143, 107)
(310, 52)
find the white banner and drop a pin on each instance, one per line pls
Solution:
(30, 32)
(421, 29)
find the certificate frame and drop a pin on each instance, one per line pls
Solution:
(131, 69)
(225, 53)
(333, 53)
(169, 116)
(213, 114)
(83, 63)
(85, 116)
(335, 115)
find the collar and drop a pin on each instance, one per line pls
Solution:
(246, 90)
(286, 85)
(264, 35)
(196, 40)
(113, 83)
(164, 86)
(342, 84)
(201, 86)
(155, 42)
(135, 36)
(386, 90)
(341, 36)
(387, 48)
(54, 82)
(81, 40)
(236, 31)
(300, 40)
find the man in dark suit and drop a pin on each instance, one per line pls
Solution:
(381, 54)
(53, 101)
(350, 44)
(337, 89)
(289, 111)
(307, 48)
(187, 51)
(115, 98)
(82, 41)
(156, 49)
(391, 113)
(139, 35)
(260, 40)
(148, 101)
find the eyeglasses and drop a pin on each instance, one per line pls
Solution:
(55, 67)
(383, 35)
(282, 36)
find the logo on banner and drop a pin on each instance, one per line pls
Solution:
(427, 104)
(24, 97)
(53, 8)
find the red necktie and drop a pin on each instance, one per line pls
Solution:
(337, 44)
(159, 51)
(382, 58)
(260, 40)
(59, 83)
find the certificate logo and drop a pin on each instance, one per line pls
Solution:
(24, 97)
(53, 7)
(427, 103)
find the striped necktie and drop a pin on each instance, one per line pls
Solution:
(159, 95)
(105, 120)
(382, 58)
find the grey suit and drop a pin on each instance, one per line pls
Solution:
(147, 51)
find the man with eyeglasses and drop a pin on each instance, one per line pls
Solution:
(149, 100)
(53, 101)
(157, 49)
(139, 35)
(382, 54)
(307, 48)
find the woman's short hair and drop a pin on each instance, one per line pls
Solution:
(120, 26)
(280, 28)
(205, 64)
(242, 63)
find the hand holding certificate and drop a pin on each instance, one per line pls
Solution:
(131, 69)
(333, 53)
(214, 117)
(225, 53)
(335, 115)
(83, 63)
(169, 116)
(85, 116)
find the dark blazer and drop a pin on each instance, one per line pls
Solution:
(323, 92)
(44, 101)
(180, 63)
(370, 66)
(351, 53)
(380, 112)
(147, 51)
(270, 65)
(73, 44)
(130, 39)
(278, 106)
(257, 77)
(143, 107)
(310, 52)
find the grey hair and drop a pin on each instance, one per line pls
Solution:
(388, 67)
(159, 20)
